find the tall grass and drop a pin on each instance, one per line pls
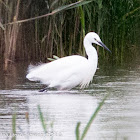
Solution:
(39, 29)
(10, 33)
(14, 126)
(42, 119)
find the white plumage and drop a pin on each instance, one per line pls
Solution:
(68, 72)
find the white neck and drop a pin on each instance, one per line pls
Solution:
(91, 52)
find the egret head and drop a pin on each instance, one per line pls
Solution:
(94, 38)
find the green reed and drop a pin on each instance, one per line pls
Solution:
(14, 127)
(92, 118)
(58, 27)
(42, 119)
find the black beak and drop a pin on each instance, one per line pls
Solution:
(103, 45)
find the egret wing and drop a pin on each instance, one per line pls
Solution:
(57, 70)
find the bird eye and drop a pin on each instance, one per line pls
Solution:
(95, 39)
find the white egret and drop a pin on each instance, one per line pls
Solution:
(71, 71)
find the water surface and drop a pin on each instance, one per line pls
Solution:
(117, 120)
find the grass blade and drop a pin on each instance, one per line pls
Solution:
(55, 57)
(130, 13)
(81, 3)
(50, 59)
(72, 5)
(93, 117)
(2, 26)
(42, 119)
(77, 131)
(14, 126)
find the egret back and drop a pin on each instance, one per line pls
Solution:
(63, 73)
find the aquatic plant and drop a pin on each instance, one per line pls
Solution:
(44, 126)
(34, 31)
(14, 127)
(42, 119)
(86, 129)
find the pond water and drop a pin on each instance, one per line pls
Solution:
(118, 119)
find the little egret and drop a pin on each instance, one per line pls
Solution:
(68, 72)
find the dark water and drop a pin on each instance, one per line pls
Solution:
(119, 118)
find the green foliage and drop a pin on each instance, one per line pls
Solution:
(42, 119)
(1, 26)
(77, 131)
(54, 58)
(14, 126)
(86, 129)
(58, 27)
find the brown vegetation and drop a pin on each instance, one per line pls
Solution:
(35, 30)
